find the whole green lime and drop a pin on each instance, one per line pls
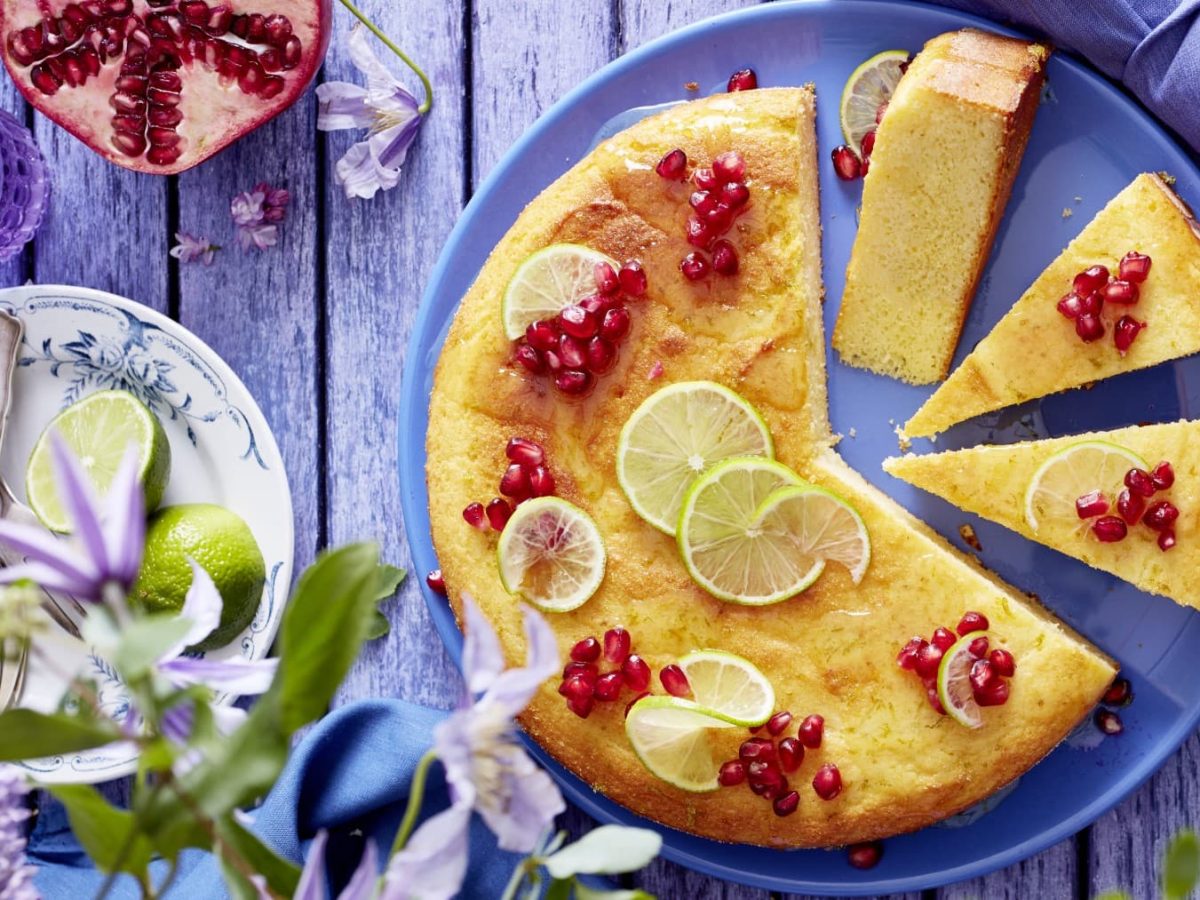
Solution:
(221, 543)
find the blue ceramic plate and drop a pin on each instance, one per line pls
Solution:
(1071, 169)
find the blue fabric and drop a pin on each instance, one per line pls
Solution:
(1150, 46)
(351, 772)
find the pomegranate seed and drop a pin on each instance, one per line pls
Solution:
(615, 324)
(474, 515)
(608, 687)
(572, 351)
(732, 773)
(724, 258)
(436, 582)
(729, 166)
(1089, 327)
(865, 855)
(633, 278)
(705, 180)
(972, 621)
(791, 754)
(943, 638)
(585, 670)
(978, 648)
(1166, 539)
(1163, 475)
(617, 643)
(718, 219)
(846, 163)
(827, 782)
(931, 695)
(698, 233)
(524, 452)
(1109, 722)
(541, 481)
(694, 266)
(577, 322)
(1091, 504)
(636, 673)
(1161, 515)
(630, 705)
(757, 748)
(982, 674)
(1130, 506)
(779, 723)
(1109, 529)
(573, 382)
(582, 706)
(673, 166)
(1134, 267)
(812, 729)
(1124, 293)
(1119, 693)
(1091, 280)
(529, 359)
(542, 335)
(1071, 306)
(1002, 662)
(928, 660)
(599, 355)
(742, 80)
(606, 278)
(734, 194)
(907, 657)
(498, 513)
(577, 687)
(765, 778)
(1091, 304)
(786, 804)
(1139, 482)
(674, 681)
(515, 483)
(868, 143)
(995, 694)
(702, 202)
(586, 651)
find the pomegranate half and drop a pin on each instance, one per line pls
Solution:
(158, 85)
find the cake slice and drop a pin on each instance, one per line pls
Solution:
(992, 482)
(1034, 351)
(945, 157)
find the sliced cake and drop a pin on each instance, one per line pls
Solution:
(1122, 501)
(943, 164)
(1046, 343)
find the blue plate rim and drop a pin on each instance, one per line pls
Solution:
(414, 497)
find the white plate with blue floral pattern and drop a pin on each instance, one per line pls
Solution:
(78, 341)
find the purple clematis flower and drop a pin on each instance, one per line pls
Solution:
(192, 249)
(16, 877)
(488, 770)
(361, 885)
(383, 106)
(104, 552)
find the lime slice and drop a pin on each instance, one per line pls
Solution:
(1069, 474)
(822, 525)
(954, 682)
(671, 738)
(550, 279)
(869, 87)
(723, 544)
(677, 434)
(551, 554)
(730, 686)
(99, 430)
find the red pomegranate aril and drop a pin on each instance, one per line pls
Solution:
(1089, 327)
(1160, 515)
(585, 670)
(475, 516)
(907, 657)
(577, 322)
(1002, 662)
(846, 163)
(811, 731)
(1166, 539)
(586, 650)
(697, 233)
(599, 355)
(791, 754)
(827, 782)
(278, 29)
(705, 180)
(729, 166)
(1119, 693)
(515, 483)
(1109, 722)
(931, 696)
(606, 278)
(1091, 504)
(868, 144)
(995, 694)
(943, 638)
(615, 324)
(1134, 267)
(1130, 506)
(598, 304)
(785, 804)
(608, 687)
(928, 660)
(1109, 529)
(778, 723)
(1090, 280)
(865, 855)
(498, 513)
(542, 335)
(1163, 475)
(673, 166)
(633, 278)
(573, 382)
(524, 452)
(1071, 306)
(617, 644)
(1140, 482)
(577, 687)
(742, 80)
(978, 648)
(636, 673)
(674, 681)
(552, 360)
(718, 219)
(972, 621)
(731, 773)
(436, 582)
(757, 748)
(581, 706)
(1091, 305)
(734, 194)
(982, 675)
(694, 266)
(45, 80)
(1123, 293)
(541, 481)
(724, 258)
(129, 144)
(703, 202)
(572, 351)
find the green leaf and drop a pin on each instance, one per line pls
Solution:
(607, 850)
(25, 734)
(239, 885)
(282, 875)
(390, 579)
(1181, 865)
(1114, 895)
(583, 892)
(560, 889)
(144, 640)
(107, 834)
(380, 626)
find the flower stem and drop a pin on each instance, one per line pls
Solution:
(374, 29)
(416, 795)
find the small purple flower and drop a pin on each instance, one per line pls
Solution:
(361, 885)
(384, 107)
(191, 248)
(105, 547)
(16, 877)
(275, 201)
(256, 215)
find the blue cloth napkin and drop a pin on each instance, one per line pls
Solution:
(351, 772)
(1150, 46)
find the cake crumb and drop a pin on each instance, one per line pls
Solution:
(902, 439)
(1167, 178)
(691, 85)
(853, 432)
(970, 538)
(1078, 199)
(1067, 212)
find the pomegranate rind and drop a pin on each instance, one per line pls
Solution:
(670, 736)
(548, 281)
(954, 682)
(550, 532)
(729, 685)
(1069, 474)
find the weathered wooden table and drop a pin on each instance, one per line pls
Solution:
(317, 327)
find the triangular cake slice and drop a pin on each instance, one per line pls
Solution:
(1034, 350)
(992, 482)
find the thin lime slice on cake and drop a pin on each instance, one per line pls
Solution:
(729, 685)
(548, 280)
(1069, 474)
(677, 434)
(869, 87)
(551, 554)
(822, 524)
(954, 682)
(671, 738)
(99, 430)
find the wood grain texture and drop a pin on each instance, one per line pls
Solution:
(1052, 873)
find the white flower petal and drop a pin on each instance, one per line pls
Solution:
(236, 676)
(482, 656)
(433, 864)
(312, 878)
(201, 608)
(343, 105)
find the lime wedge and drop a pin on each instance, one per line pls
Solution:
(677, 434)
(551, 554)
(671, 738)
(1069, 474)
(869, 87)
(548, 280)
(954, 682)
(99, 430)
(730, 686)
(822, 525)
